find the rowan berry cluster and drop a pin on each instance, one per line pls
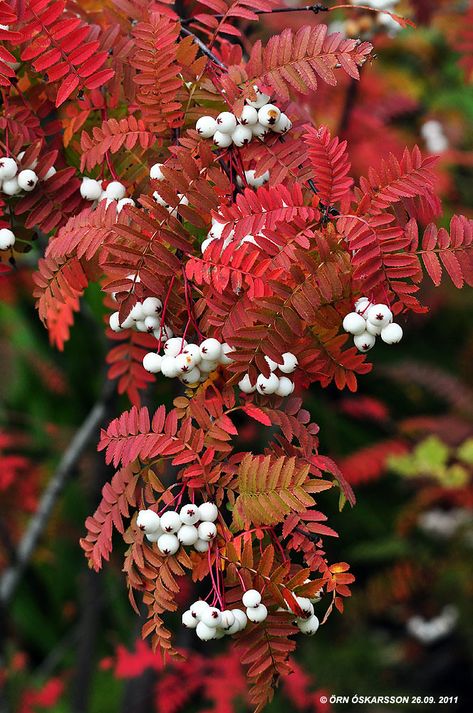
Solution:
(94, 191)
(212, 623)
(279, 385)
(193, 526)
(369, 321)
(14, 180)
(188, 362)
(156, 174)
(257, 119)
(144, 317)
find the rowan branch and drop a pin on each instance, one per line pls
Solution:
(11, 577)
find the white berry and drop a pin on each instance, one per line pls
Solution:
(392, 333)
(364, 342)
(137, 312)
(268, 115)
(362, 306)
(380, 315)
(261, 99)
(148, 521)
(227, 619)
(226, 122)
(282, 125)
(267, 385)
(204, 632)
(260, 131)
(115, 191)
(188, 535)
(222, 140)
(170, 521)
(242, 135)
(289, 363)
(256, 182)
(211, 617)
(226, 349)
(198, 608)
(285, 386)
(309, 626)
(251, 598)
(257, 614)
(152, 362)
(114, 322)
(246, 386)
(11, 187)
(7, 239)
(49, 173)
(249, 115)
(201, 546)
(168, 544)
(124, 202)
(306, 606)
(155, 172)
(189, 514)
(208, 512)
(207, 531)
(354, 323)
(240, 617)
(8, 168)
(206, 366)
(192, 352)
(211, 349)
(206, 126)
(90, 189)
(191, 377)
(189, 621)
(174, 346)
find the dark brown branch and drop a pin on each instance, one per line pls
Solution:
(308, 8)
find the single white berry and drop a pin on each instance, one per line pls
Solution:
(374, 329)
(242, 135)
(227, 619)
(272, 364)
(364, 342)
(189, 621)
(261, 99)
(128, 322)
(257, 614)
(152, 323)
(211, 349)
(152, 306)
(140, 325)
(306, 606)
(268, 115)
(251, 598)
(248, 116)
(174, 346)
(226, 349)
(170, 521)
(282, 125)
(168, 544)
(362, 302)
(137, 312)
(354, 323)
(155, 172)
(201, 546)
(206, 366)
(289, 363)
(211, 617)
(207, 531)
(49, 173)
(114, 322)
(222, 140)
(148, 521)
(187, 535)
(20, 158)
(124, 202)
(205, 244)
(153, 536)
(206, 126)
(260, 131)
(189, 514)
(241, 620)
(256, 182)
(204, 632)
(392, 333)
(267, 385)
(216, 230)
(285, 386)
(308, 626)
(192, 376)
(208, 512)
(8, 168)
(184, 363)
(198, 608)
(192, 352)
(115, 191)
(379, 315)
(226, 122)
(7, 239)
(152, 362)
(90, 189)
(11, 187)
(246, 386)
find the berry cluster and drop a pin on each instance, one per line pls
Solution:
(190, 363)
(144, 317)
(369, 321)
(257, 120)
(308, 623)
(273, 384)
(156, 174)
(92, 190)
(193, 526)
(13, 181)
(212, 623)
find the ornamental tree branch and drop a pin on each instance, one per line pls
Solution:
(202, 46)
(308, 8)
(11, 577)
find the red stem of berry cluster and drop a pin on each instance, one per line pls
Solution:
(165, 306)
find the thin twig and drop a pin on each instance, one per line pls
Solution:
(203, 47)
(308, 8)
(11, 577)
